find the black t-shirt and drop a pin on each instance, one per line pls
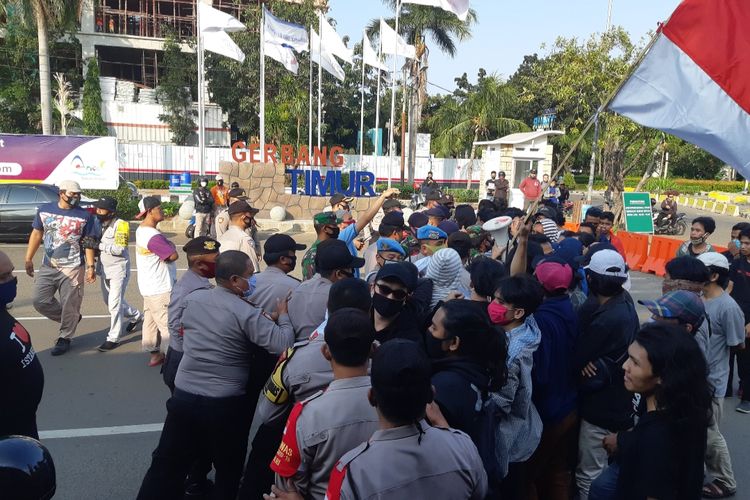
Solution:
(739, 273)
(660, 461)
(21, 374)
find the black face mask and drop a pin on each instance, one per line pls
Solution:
(73, 201)
(104, 218)
(293, 262)
(386, 307)
(220, 183)
(334, 233)
(248, 221)
(434, 346)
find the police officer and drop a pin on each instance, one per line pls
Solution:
(328, 424)
(209, 408)
(301, 372)
(114, 268)
(431, 239)
(236, 237)
(279, 254)
(27, 471)
(221, 224)
(307, 306)
(204, 203)
(388, 251)
(407, 458)
(201, 256)
(392, 226)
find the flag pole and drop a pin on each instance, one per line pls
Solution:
(393, 99)
(309, 100)
(378, 138)
(262, 137)
(320, 71)
(201, 104)
(362, 106)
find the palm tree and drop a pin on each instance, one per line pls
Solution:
(48, 16)
(482, 113)
(417, 23)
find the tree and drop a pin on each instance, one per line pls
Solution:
(48, 16)
(63, 104)
(460, 123)
(174, 91)
(93, 124)
(417, 23)
(688, 160)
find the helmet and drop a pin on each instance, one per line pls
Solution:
(27, 471)
(204, 179)
(235, 185)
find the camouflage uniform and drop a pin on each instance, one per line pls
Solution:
(308, 261)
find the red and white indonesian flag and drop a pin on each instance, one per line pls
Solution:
(694, 82)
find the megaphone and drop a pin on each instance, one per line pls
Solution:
(498, 228)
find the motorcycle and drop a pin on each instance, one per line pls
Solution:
(419, 198)
(677, 227)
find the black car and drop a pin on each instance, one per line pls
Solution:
(19, 204)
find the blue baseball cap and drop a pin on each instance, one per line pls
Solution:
(431, 233)
(390, 245)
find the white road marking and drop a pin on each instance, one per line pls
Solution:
(100, 431)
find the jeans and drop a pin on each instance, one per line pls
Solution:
(49, 281)
(604, 487)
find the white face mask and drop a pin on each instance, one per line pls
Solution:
(204, 184)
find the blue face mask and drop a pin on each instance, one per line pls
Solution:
(250, 287)
(8, 291)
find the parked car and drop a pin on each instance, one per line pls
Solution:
(19, 204)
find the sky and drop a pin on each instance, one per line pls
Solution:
(507, 30)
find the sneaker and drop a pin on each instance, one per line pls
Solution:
(134, 324)
(199, 489)
(157, 359)
(63, 345)
(743, 407)
(108, 346)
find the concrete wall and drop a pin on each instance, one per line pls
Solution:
(264, 185)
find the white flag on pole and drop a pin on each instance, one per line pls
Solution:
(369, 56)
(284, 55)
(219, 42)
(325, 60)
(392, 43)
(332, 42)
(212, 20)
(458, 7)
(280, 32)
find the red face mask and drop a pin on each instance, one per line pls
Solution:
(210, 270)
(498, 313)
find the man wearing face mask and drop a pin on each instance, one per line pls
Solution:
(20, 368)
(220, 194)
(221, 222)
(307, 306)
(201, 256)
(114, 269)
(326, 227)
(389, 251)
(700, 230)
(209, 415)
(236, 237)
(399, 302)
(431, 239)
(280, 255)
(204, 204)
(63, 228)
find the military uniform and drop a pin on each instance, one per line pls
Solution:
(411, 461)
(307, 307)
(308, 261)
(210, 408)
(320, 430)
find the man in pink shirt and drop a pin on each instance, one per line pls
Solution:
(531, 189)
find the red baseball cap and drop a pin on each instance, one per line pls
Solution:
(553, 275)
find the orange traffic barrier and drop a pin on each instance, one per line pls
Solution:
(636, 248)
(662, 251)
(571, 226)
(720, 249)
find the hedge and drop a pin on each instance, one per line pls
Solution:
(684, 186)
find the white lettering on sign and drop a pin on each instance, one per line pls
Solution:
(8, 168)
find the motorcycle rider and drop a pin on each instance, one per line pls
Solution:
(668, 210)
(204, 203)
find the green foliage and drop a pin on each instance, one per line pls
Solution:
(569, 180)
(683, 186)
(687, 160)
(151, 184)
(170, 208)
(464, 195)
(93, 124)
(127, 207)
(406, 190)
(174, 91)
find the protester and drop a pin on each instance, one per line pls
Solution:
(400, 302)
(392, 227)
(307, 305)
(605, 234)
(515, 301)
(155, 256)
(328, 424)
(733, 247)
(592, 217)
(700, 230)
(68, 234)
(444, 270)
(485, 273)
(436, 215)
(739, 289)
(461, 243)
(689, 274)
(114, 269)
(241, 216)
(555, 394)
(201, 256)
(302, 371)
(662, 456)
(340, 202)
(607, 329)
(407, 457)
(465, 216)
(489, 185)
(531, 189)
(207, 417)
(204, 204)
(20, 368)
(501, 189)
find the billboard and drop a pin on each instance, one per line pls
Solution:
(90, 161)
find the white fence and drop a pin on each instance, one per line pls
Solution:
(157, 161)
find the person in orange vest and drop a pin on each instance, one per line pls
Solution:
(221, 194)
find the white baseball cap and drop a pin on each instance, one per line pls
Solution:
(608, 263)
(219, 177)
(714, 259)
(69, 186)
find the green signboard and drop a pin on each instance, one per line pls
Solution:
(638, 215)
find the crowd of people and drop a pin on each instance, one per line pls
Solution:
(422, 360)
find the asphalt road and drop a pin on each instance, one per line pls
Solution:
(101, 413)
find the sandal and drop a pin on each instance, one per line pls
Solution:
(715, 489)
